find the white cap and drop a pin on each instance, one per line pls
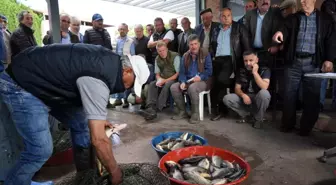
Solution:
(141, 72)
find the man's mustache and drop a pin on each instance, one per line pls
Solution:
(264, 4)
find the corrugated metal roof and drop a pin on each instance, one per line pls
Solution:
(181, 7)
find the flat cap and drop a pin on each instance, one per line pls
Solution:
(205, 11)
(287, 3)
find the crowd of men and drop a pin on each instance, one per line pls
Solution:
(211, 57)
(234, 60)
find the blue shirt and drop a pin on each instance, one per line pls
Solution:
(184, 75)
(120, 45)
(66, 40)
(306, 39)
(257, 39)
(223, 40)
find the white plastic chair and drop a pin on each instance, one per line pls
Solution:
(201, 103)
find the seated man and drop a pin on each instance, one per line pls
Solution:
(167, 65)
(251, 95)
(195, 70)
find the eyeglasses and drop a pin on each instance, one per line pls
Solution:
(65, 21)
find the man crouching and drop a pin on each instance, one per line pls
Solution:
(251, 97)
(195, 70)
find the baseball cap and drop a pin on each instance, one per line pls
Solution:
(141, 72)
(97, 17)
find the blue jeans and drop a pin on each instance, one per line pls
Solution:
(30, 116)
(118, 96)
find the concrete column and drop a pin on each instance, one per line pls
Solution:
(198, 9)
(54, 20)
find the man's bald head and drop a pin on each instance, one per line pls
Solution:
(226, 16)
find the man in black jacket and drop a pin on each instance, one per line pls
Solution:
(261, 24)
(98, 35)
(228, 44)
(309, 46)
(183, 45)
(74, 81)
(173, 27)
(251, 97)
(23, 37)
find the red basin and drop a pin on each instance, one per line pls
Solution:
(177, 155)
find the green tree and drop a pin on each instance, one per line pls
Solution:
(11, 9)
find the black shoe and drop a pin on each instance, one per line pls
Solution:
(125, 105)
(247, 119)
(286, 129)
(303, 133)
(258, 124)
(216, 117)
(321, 107)
(110, 106)
(149, 113)
(116, 103)
(143, 106)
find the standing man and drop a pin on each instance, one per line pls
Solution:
(251, 97)
(167, 67)
(6, 39)
(183, 45)
(205, 30)
(249, 5)
(141, 42)
(125, 47)
(229, 42)
(75, 25)
(308, 38)
(173, 27)
(149, 30)
(160, 34)
(38, 79)
(3, 54)
(23, 37)
(98, 35)
(195, 71)
(261, 24)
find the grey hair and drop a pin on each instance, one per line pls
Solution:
(193, 37)
(223, 9)
(65, 15)
(22, 14)
(185, 19)
(74, 19)
(126, 63)
(138, 26)
(173, 19)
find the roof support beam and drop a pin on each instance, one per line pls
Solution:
(54, 20)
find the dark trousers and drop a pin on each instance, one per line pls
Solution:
(157, 96)
(294, 76)
(222, 70)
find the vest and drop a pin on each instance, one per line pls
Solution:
(98, 37)
(127, 46)
(246, 76)
(50, 72)
(166, 65)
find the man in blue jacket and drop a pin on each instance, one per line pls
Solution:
(74, 82)
(195, 71)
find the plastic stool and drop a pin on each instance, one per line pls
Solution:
(201, 103)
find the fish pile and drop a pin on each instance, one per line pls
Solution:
(205, 170)
(185, 140)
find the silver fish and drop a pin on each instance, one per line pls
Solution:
(171, 144)
(159, 147)
(191, 143)
(187, 165)
(165, 142)
(176, 174)
(193, 168)
(196, 177)
(216, 161)
(191, 138)
(222, 172)
(237, 175)
(191, 160)
(198, 141)
(219, 181)
(171, 164)
(184, 136)
(178, 146)
(205, 163)
(227, 164)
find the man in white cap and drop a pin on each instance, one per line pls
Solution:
(74, 82)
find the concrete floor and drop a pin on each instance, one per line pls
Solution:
(276, 158)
